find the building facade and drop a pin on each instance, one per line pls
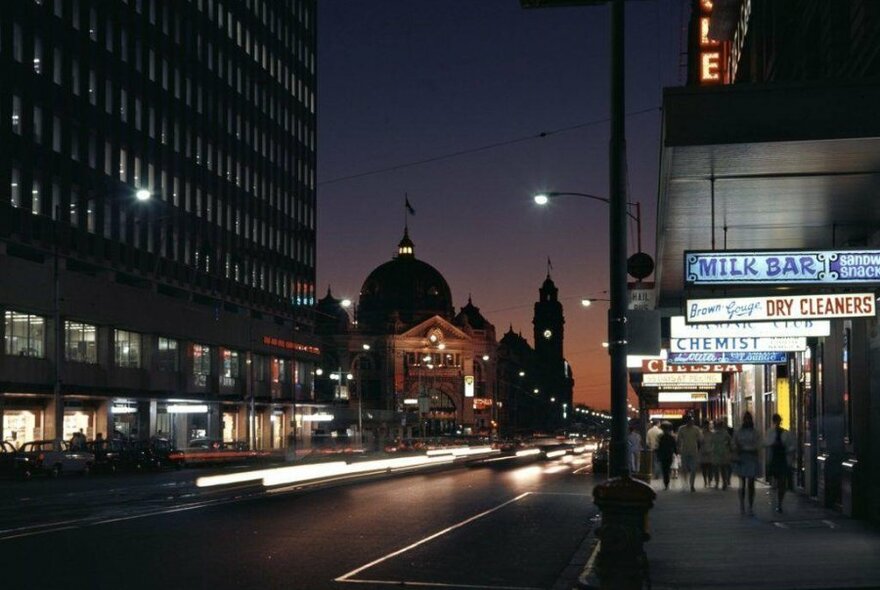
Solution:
(773, 146)
(406, 365)
(157, 218)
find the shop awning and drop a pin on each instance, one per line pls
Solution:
(790, 166)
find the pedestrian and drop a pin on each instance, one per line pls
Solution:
(689, 437)
(78, 441)
(746, 442)
(706, 454)
(666, 452)
(633, 448)
(779, 442)
(720, 443)
(652, 438)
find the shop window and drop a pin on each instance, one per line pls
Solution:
(231, 364)
(280, 370)
(201, 359)
(259, 367)
(80, 342)
(128, 349)
(847, 382)
(25, 334)
(166, 355)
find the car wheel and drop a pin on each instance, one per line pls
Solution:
(87, 470)
(27, 474)
(56, 470)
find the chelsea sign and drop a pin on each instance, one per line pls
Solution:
(782, 267)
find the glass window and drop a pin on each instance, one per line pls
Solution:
(15, 188)
(280, 370)
(38, 125)
(24, 334)
(127, 347)
(56, 134)
(16, 114)
(166, 357)
(36, 193)
(74, 76)
(231, 364)
(201, 359)
(56, 66)
(80, 342)
(17, 43)
(38, 55)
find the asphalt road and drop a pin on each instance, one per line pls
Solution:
(500, 526)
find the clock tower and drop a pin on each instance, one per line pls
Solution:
(554, 375)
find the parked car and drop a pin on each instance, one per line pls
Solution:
(13, 463)
(204, 451)
(600, 457)
(56, 457)
(112, 455)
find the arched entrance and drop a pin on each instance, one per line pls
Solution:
(441, 416)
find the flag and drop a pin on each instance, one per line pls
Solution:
(549, 265)
(409, 207)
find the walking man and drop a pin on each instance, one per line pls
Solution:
(781, 446)
(689, 439)
(652, 440)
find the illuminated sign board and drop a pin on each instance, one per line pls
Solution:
(737, 344)
(807, 328)
(682, 396)
(785, 267)
(794, 307)
(712, 53)
(659, 366)
(290, 345)
(746, 358)
(635, 361)
(680, 379)
(469, 386)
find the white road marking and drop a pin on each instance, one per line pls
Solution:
(407, 583)
(345, 577)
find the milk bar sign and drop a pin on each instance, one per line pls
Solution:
(767, 308)
(786, 267)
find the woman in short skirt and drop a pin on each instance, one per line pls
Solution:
(746, 442)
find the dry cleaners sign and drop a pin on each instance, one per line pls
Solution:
(822, 267)
(767, 308)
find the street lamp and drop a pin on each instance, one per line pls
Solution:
(544, 198)
(623, 501)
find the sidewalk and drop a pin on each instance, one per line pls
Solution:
(700, 540)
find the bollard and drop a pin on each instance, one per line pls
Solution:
(624, 503)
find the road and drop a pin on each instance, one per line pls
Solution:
(498, 526)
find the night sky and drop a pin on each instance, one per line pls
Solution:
(405, 81)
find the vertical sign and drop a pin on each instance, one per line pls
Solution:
(469, 386)
(712, 53)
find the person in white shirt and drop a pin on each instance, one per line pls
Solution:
(634, 447)
(652, 440)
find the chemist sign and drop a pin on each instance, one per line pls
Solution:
(738, 344)
(772, 308)
(783, 267)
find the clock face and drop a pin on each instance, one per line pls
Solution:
(548, 334)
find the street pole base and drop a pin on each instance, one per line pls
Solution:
(624, 502)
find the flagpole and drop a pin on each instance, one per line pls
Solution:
(405, 212)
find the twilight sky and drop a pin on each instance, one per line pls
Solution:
(404, 81)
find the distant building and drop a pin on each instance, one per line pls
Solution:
(187, 314)
(406, 364)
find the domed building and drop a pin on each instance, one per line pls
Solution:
(405, 363)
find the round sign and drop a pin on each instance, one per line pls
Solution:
(640, 265)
